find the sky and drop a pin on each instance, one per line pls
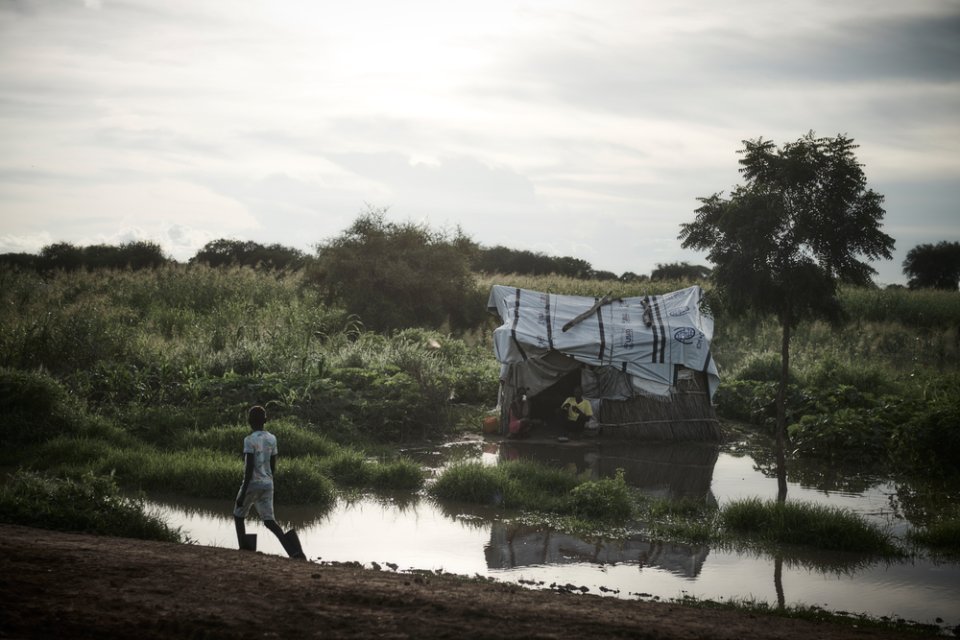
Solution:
(584, 128)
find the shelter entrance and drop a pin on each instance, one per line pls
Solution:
(545, 404)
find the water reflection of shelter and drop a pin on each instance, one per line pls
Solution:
(513, 546)
(662, 469)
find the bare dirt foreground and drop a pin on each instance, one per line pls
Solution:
(58, 585)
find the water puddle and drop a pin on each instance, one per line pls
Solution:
(417, 533)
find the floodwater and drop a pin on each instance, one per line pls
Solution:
(418, 533)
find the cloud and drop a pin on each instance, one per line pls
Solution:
(562, 127)
(25, 243)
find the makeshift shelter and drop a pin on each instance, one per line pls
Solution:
(643, 362)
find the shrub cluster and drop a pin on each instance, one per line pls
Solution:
(858, 412)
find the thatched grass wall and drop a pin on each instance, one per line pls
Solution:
(686, 414)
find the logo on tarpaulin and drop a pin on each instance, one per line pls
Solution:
(676, 313)
(685, 335)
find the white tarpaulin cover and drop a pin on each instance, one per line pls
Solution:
(642, 337)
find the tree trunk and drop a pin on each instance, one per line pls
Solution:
(782, 410)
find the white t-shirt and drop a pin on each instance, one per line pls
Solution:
(263, 446)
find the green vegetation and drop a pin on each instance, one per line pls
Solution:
(933, 266)
(87, 504)
(683, 519)
(399, 275)
(527, 485)
(941, 536)
(147, 372)
(803, 223)
(798, 523)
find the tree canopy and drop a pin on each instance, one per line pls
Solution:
(225, 252)
(500, 259)
(782, 243)
(130, 255)
(802, 224)
(395, 275)
(933, 266)
(679, 271)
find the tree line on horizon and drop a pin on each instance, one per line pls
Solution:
(226, 252)
(927, 266)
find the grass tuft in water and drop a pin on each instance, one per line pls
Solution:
(347, 468)
(523, 484)
(682, 519)
(399, 474)
(800, 523)
(941, 536)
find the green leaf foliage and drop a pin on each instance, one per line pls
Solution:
(396, 275)
(803, 223)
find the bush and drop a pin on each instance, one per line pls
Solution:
(293, 440)
(747, 400)
(399, 275)
(89, 504)
(930, 439)
(37, 407)
(604, 499)
(300, 481)
(761, 367)
(529, 485)
(830, 372)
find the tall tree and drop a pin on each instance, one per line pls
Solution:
(783, 242)
(397, 275)
(932, 266)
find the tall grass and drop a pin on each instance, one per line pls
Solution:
(799, 523)
(88, 503)
(941, 536)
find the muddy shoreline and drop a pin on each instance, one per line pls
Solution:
(80, 586)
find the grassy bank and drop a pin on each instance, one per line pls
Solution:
(85, 503)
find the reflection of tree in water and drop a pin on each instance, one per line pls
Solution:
(926, 502)
(837, 563)
(821, 474)
(514, 546)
